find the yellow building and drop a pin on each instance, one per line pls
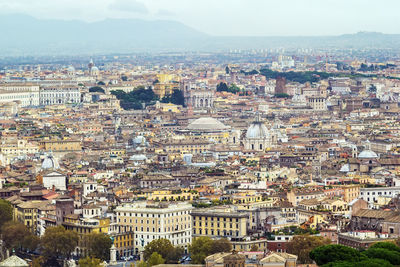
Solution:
(166, 84)
(85, 227)
(28, 213)
(124, 243)
(61, 145)
(350, 192)
(219, 222)
(182, 194)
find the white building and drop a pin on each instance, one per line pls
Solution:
(59, 95)
(372, 195)
(56, 180)
(155, 221)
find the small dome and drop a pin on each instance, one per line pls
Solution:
(71, 69)
(257, 130)
(207, 124)
(139, 157)
(367, 154)
(50, 163)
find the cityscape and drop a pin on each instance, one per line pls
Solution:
(141, 141)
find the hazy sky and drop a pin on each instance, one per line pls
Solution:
(230, 17)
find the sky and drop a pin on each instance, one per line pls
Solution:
(230, 17)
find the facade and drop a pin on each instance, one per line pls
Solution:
(372, 194)
(154, 221)
(59, 95)
(61, 145)
(55, 180)
(220, 222)
(258, 137)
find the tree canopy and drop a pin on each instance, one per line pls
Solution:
(302, 245)
(17, 236)
(325, 254)
(223, 87)
(96, 89)
(204, 246)
(89, 262)
(382, 254)
(155, 259)
(99, 245)
(57, 241)
(164, 248)
(135, 98)
(176, 98)
(6, 212)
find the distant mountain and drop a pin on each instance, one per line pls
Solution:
(25, 35)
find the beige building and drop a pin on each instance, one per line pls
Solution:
(151, 221)
(219, 222)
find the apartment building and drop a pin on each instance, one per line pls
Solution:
(220, 222)
(150, 221)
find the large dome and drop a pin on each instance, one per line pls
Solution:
(257, 130)
(207, 124)
(367, 154)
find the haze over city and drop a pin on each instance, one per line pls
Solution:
(229, 17)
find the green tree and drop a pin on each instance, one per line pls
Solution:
(200, 248)
(222, 87)
(89, 262)
(101, 83)
(385, 245)
(176, 98)
(165, 248)
(124, 78)
(363, 263)
(330, 253)
(96, 89)
(6, 212)
(155, 259)
(380, 253)
(221, 245)
(302, 245)
(99, 245)
(14, 234)
(57, 241)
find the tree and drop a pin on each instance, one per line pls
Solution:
(95, 89)
(89, 262)
(301, 246)
(385, 245)
(281, 95)
(222, 87)
(200, 248)
(155, 259)
(254, 247)
(101, 83)
(124, 78)
(6, 212)
(330, 253)
(380, 253)
(165, 248)
(99, 245)
(364, 263)
(221, 245)
(14, 235)
(57, 241)
(176, 98)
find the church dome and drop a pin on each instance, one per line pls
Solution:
(367, 154)
(50, 163)
(257, 130)
(207, 124)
